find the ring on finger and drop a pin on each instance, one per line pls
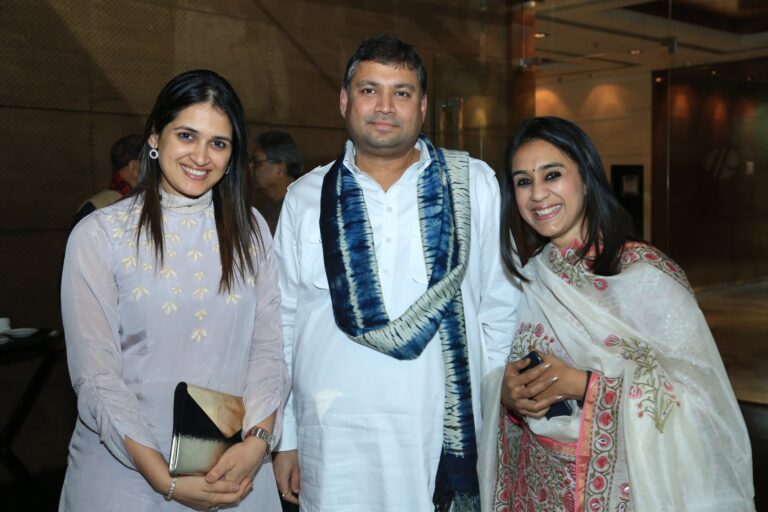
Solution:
(285, 494)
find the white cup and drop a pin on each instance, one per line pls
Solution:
(5, 324)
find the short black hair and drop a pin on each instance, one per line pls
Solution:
(280, 147)
(125, 150)
(609, 225)
(387, 49)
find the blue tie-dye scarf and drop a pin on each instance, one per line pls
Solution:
(358, 304)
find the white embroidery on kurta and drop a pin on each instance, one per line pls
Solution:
(176, 290)
(122, 216)
(169, 307)
(188, 223)
(171, 253)
(199, 334)
(168, 272)
(140, 292)
(110, 219)
(201, 314)
(232, 298)
(129, 262)
(250, 281)
(118, 232)
(198, 276)
(147, 267)
(208, 234)
(195, 254)
(172, 238)
(200, 293)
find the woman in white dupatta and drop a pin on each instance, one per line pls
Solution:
(654, 424)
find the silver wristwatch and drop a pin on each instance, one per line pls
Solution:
(262, 434)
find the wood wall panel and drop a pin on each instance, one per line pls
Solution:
(78, 74)
(50, 167)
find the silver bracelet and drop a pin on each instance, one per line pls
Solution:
(169, 496)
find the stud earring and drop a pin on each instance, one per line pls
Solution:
(227, 171)
(154, 153)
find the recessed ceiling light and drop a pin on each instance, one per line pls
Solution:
(714, 72)
(541, 35)
(635, 51)
(658, 79)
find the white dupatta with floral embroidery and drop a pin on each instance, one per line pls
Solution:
(678, 440)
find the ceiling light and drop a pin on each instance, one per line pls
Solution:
(541, 35)
(635, 51)
(658, 79)
(714, 72)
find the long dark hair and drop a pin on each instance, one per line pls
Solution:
(235, 224)
(608, 224)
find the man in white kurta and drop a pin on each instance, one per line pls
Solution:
(368, 427)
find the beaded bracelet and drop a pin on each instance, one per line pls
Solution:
(169, 496)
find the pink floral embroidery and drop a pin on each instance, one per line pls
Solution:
(651, 389)
(611, 341)
(532, 476)
(529, 337)
(600, 284)
(634, 252)
(603, 447)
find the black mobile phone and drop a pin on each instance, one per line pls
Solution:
(556, 409)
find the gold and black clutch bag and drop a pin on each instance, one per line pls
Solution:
(205, 424)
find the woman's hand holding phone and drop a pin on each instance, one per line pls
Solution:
(520, 389)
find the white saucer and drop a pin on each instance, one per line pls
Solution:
(21, 332)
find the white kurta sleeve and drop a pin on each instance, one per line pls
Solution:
(287, 263)
(267, 383)
(89, 300)
(499, 291)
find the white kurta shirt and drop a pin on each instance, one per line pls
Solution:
(368, 427)
(135, 328)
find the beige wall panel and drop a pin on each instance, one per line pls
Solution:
(43, 64)
(42, 184)
(30, 269)
(132, 48)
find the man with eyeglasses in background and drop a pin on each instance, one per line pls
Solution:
(275, 163)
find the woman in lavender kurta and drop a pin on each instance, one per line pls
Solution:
(175, 283)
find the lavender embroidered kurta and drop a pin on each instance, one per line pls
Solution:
(135, 328)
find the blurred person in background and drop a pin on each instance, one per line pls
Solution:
(275, 163)
(124, 157)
